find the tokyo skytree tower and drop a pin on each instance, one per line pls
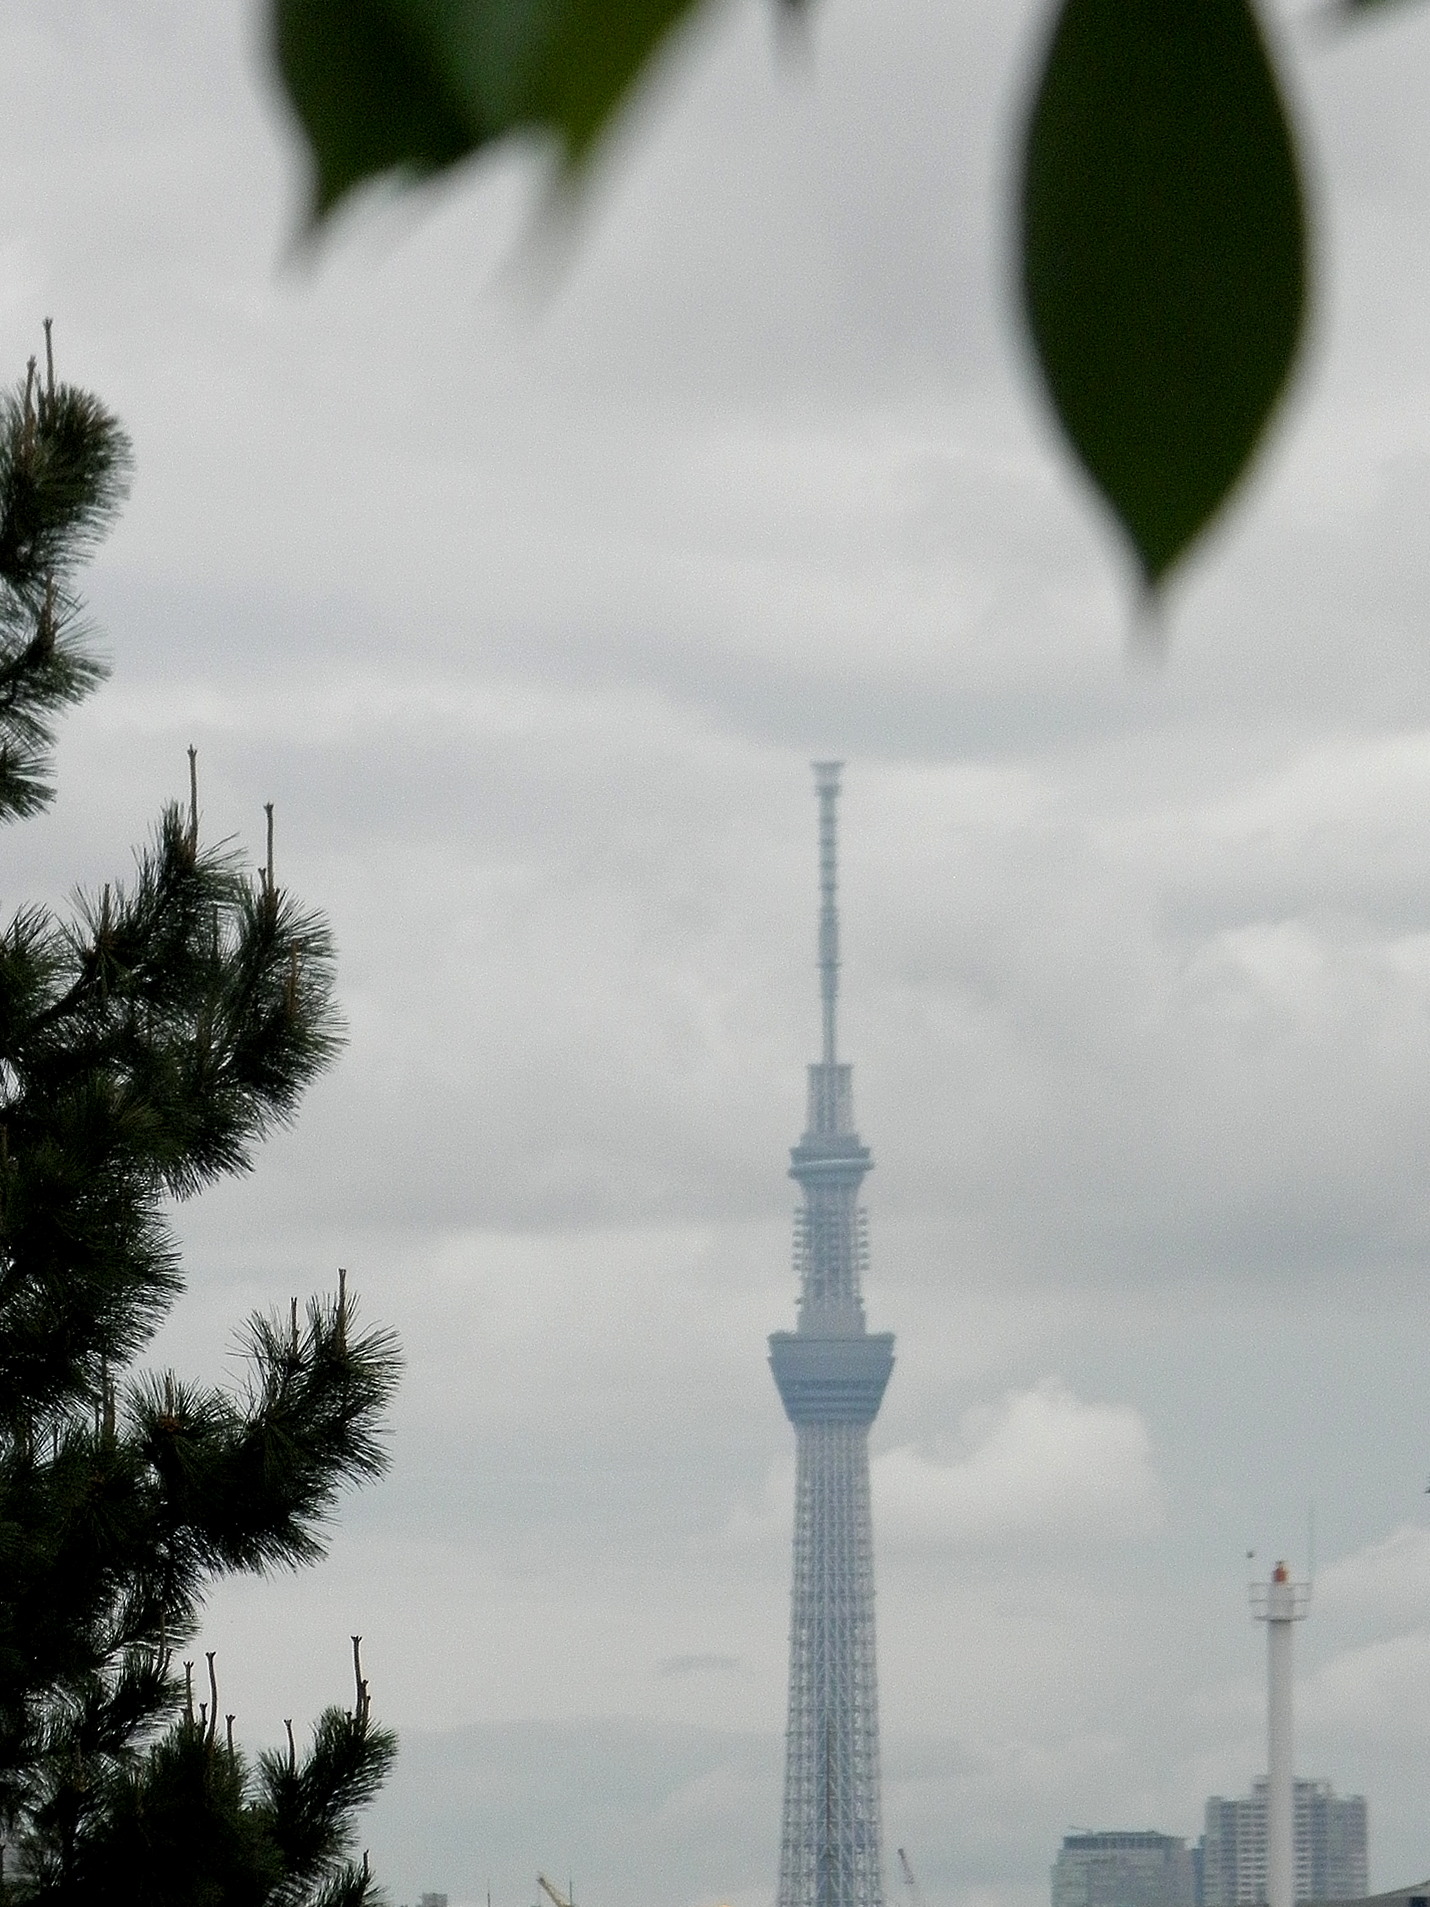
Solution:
(831, 1374)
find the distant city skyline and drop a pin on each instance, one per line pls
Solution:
(1227, 1866)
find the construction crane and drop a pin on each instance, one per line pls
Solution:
(916, 1898)
(553, 1894)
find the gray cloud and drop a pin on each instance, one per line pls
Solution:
(698, 1665)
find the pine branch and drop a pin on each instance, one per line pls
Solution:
(64, 473)
(148, 1042)
(251, 1488)
(64, 466)
(310, 1803)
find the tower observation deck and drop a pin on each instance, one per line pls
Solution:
(831, 1372)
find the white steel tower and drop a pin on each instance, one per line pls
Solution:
(831, 1374)
(1279, 1604)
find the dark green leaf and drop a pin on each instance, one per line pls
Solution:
(1164, 253)
(413, 86)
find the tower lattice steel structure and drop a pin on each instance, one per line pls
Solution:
(831, 1374)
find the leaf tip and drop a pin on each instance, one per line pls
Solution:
(1147, 642)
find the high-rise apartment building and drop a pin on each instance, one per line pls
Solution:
(1124, 1868)
(1330, 1843)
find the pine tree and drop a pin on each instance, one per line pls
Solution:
(146, 1044)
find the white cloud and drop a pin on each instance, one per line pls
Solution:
(1041, 1464)
(1379, 1694)
(1373, 1687)
(1385, 1584)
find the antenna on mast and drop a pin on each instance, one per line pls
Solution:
(826, 783)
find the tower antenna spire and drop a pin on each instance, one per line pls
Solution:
(826, 783)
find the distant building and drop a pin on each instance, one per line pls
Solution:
(432, 1900)
(1330, 1847)
(1124, 1868)
(1416, 1896)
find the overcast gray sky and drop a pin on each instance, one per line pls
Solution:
(527, 595)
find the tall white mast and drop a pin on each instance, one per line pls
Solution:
(1280, 1604)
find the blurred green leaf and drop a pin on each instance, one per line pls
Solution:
(1164, 254)
(414, 86)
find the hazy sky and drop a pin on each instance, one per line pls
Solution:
(527, 589)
